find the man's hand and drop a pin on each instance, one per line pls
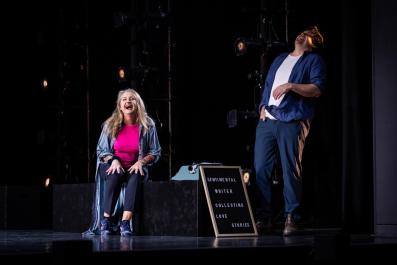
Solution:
(281, 90)
(262, 114)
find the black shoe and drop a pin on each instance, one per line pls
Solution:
(125, 229)
(106, 227)
(264, 226)
(290, 227)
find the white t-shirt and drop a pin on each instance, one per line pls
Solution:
(281, 77)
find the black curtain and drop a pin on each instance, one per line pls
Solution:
(356, 97)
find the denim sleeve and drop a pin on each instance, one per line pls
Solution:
(264, 99)
(104, 147)
(317, 73)
(154, 147)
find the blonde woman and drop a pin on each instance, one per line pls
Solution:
(128, 144)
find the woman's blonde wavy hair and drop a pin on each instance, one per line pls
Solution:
(115, 122)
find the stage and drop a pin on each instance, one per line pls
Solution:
(68, 60)
(312, 247)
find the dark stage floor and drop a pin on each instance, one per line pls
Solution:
(312, 247)
(14, 242)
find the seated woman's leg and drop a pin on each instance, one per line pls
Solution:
(131, 192)
(129, 202)
(113, 183)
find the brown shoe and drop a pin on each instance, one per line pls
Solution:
(290, 227)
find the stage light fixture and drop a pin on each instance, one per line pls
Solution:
(47, 182)
(121, 74)
(44, 83)
(240, 47)
(243, 46)
(246, 176)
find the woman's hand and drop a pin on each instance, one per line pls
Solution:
(115, 167)
(137, 167)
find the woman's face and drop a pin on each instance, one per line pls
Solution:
(128, 103)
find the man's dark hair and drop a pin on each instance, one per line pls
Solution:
(317, 37)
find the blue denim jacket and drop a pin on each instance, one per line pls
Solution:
(148, 145)
(309, 69)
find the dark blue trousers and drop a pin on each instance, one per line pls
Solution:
(113, 184)
(287, 139)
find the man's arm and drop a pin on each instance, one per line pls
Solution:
(305, 90)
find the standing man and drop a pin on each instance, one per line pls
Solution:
(293, 83)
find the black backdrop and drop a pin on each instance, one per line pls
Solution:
(53, 132)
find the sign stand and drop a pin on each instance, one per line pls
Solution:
(227, 200)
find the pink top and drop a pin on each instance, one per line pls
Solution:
(126, 146)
